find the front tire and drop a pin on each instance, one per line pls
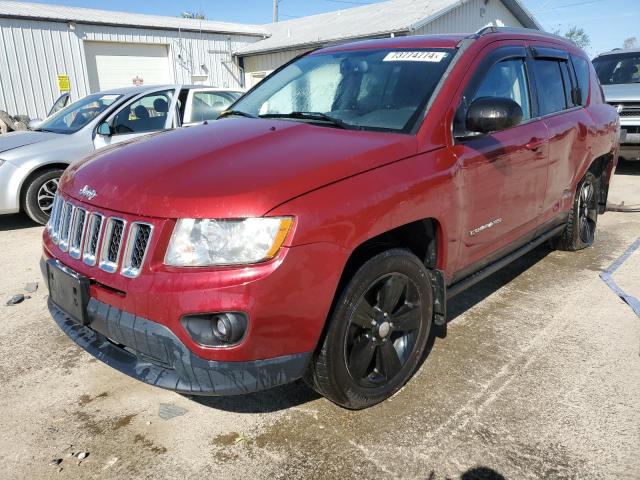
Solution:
(37, 199)
(377, 333)
(580, 229)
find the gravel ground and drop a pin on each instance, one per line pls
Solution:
(538, 377)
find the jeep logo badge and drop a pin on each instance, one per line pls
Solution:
(87, 192)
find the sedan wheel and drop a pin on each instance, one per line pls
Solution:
(46, 194)
(38, 193)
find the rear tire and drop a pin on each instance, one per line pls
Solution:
(37, 199)
(581, 225)
(377, 332)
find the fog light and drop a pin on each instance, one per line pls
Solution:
(229, 327)
(215, 330)
(222, 329)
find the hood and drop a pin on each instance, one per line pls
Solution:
(624, 92)
(235, 167)
(12, 140)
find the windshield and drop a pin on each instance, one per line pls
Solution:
(78, 114)
(363, 89)
(616, 69)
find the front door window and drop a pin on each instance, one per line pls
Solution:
(147, 114)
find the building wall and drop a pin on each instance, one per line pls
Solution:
(267, 63)
(34, 53)
(468, 17)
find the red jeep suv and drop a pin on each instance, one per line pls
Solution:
(318, 228)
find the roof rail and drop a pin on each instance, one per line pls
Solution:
(491, 29)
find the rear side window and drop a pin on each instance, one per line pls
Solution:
(568, 86)
(507, 79)
(551, 87)
(581, 66)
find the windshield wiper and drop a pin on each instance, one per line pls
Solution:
(240, 113)
(323, 117)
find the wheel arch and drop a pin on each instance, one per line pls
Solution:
(602, 168)
(424, 238)
(34, 173)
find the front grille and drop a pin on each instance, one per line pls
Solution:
(139, 236)
(627, 109)
(99, 239)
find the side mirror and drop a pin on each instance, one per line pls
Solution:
(491, 114)
(104, 129)
(35, 124)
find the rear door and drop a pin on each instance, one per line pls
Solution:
(148, 113)
(561, 109)
(504, 173)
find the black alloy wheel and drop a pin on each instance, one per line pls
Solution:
(580, 229)
(377, 332)
(382, 330)
(587, 213)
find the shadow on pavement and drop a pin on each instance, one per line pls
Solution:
(627, 168)
(481, 473)
(16, 222)
(475, 294)
(273, 400)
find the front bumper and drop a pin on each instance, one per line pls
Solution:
(630, 139)
(630, 152)
(151, 353)
(10, 181)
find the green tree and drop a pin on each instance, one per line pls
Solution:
(194, 15)
(577, 35)
(631, 42)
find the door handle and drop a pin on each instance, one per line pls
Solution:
(535, 144)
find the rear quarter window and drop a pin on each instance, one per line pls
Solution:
(583, 74)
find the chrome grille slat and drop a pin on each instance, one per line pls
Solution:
(136, 249)
(77, 232)
(94, 230)
(112, 244)
(56, 215)
(99, 240)
(65, 226)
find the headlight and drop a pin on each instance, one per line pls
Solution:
(202, 242)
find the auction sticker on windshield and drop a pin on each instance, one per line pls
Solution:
(415, 56)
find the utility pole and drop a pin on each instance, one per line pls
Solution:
(275, 11)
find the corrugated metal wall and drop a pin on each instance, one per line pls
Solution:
(471, 16)
(270, 61)
(34, 53)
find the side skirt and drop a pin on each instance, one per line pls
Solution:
(483, 273)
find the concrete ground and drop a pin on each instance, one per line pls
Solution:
(538, 377)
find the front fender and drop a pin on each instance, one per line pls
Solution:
(350, 212)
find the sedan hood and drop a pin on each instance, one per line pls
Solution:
(12, 140)
(622, 92)
(236, 167)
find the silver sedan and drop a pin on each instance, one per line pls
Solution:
(32, 162)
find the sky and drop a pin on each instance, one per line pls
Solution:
(607, 22)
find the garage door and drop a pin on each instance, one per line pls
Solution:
(115, 65)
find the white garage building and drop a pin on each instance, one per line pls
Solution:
(42, 46)
(98, 50)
